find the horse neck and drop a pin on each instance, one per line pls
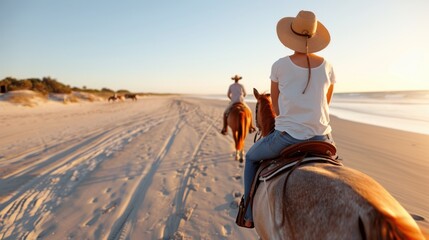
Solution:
(267, 117)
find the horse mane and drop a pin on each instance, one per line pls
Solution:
(266, 114)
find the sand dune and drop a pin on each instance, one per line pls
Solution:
(158, 168)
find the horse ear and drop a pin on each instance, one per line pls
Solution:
(256, 93)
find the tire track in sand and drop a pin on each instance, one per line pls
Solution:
(28, 160)
(124, 225)
(181, 211)
(34, 202)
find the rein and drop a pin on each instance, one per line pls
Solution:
(256, 138)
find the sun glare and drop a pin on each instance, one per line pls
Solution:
(409, 68)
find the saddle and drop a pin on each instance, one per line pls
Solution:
(290, 158)
(238, 105)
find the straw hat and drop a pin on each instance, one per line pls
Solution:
(295, 32)
(236, 77)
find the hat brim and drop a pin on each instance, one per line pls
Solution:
(295, 42)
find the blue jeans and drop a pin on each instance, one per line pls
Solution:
(267, 148)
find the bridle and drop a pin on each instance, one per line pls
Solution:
(258, 133)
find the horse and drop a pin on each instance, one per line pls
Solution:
(121, 98)
(239, 120)
(325, 201)
(132, 96)
(112, 98)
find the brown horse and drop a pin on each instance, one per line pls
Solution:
(112, 98)
(131, 96)
(239, 120)
(121, 98)
(324, 201)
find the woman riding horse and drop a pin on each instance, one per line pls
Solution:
(301, 90)
(320, 199)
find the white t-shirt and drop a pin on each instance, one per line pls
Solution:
(236, 93)
(302, 116)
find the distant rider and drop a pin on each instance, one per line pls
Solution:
(236, 93)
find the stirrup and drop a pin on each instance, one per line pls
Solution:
(240, 221)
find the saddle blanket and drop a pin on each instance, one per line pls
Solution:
(276, 167)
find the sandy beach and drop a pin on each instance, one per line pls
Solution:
(158, 168)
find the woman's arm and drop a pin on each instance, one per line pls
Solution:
(275, 96)
(329, 93)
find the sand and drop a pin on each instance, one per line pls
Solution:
(158, 168)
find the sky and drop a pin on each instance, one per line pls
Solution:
(194, 46)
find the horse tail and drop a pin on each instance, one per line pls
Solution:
(241, 131)
(385, 226)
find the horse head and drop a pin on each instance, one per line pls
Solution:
(265, 114)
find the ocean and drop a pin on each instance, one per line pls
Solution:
(402, 110)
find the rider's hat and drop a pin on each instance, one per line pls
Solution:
(236, 77)
(303, 33)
